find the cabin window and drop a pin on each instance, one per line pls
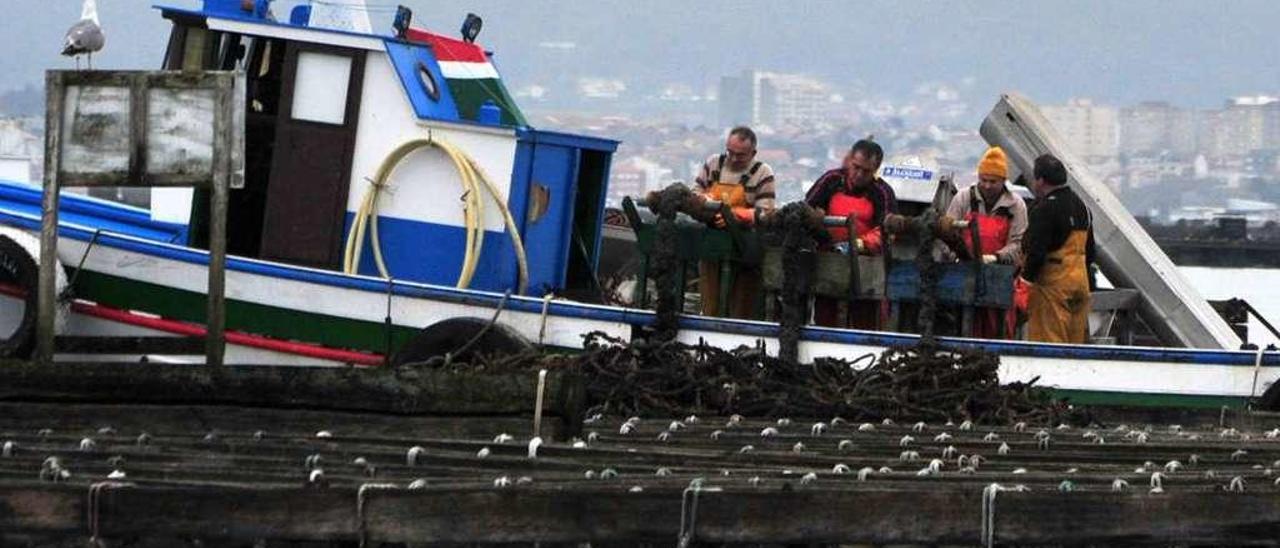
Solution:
(320, 88)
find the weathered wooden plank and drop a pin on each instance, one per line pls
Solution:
(46, 300)
(548, 515)
(298, 514)
(131, 420)
(121, 179)
(612, 513)
(43, 508)
(403, 390)
(1086, 518)
(73, 344)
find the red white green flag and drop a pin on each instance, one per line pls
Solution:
(471, 76)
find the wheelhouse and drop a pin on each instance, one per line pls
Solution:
(328, 100)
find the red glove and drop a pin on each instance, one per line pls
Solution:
(872, 242)
(745, 215)
(1021, 294)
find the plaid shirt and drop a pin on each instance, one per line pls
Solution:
(757, 180)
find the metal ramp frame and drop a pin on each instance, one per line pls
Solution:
(1177, 313)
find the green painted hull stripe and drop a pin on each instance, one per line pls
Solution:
(337, 332)
(280, 323)
(1136, 399)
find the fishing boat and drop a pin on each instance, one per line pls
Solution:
(395, 202)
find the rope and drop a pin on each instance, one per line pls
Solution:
(546, 306)
(689, 511)
(988, 538)
(537, 405)
(71, 284)
(93, 514)
(361, 499)
(1257, 367)
(502, 304)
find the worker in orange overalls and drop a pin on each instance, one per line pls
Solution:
(1058, 251)
(746, 185)
(1001, 217)
(853, 190)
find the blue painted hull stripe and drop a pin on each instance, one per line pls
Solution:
(641, 317)
(104, 214)
(431, 253)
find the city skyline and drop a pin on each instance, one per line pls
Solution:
(1137, 94)
(1187, 53)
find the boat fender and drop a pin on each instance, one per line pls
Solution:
(20, 278)
(1270, 399)
(454, 337)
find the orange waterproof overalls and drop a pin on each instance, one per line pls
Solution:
(746, 283)
(1059, 302)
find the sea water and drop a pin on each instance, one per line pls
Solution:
(1259, 286)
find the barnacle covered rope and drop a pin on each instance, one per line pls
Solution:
(925, 383)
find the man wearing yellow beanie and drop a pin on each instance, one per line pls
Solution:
(1001, 217)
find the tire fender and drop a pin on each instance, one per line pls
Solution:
(453, 334)
(20, 267)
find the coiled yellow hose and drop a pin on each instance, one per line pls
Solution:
(472, 176)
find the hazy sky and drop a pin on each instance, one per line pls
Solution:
(1189, 52)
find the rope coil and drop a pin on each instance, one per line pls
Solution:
(473, 178)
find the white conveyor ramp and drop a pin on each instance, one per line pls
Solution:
(1177, 313)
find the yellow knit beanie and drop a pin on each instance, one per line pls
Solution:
(994, 163)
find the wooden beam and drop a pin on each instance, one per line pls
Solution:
(1182, 518)
(610, 512)
(44, 508)
(75, 344)
(130, 420)
(412, 391)
(275, 513)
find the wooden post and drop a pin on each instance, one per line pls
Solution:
(225, 157)
(47, 301)
(215, 316)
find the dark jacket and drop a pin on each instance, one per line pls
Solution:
(833, 181)
(1052, 219)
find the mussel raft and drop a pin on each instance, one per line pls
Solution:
(143, 475)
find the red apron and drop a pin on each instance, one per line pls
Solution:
(863, 211)
(993, 234)
(826, 312)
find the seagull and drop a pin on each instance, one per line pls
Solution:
(85, 37)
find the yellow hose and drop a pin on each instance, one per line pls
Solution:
(472, 176)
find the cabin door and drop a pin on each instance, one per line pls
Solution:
(311, 165)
